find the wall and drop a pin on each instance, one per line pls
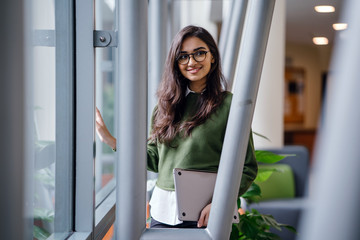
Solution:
(315, 61)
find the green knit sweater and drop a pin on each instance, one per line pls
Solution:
(201, 150)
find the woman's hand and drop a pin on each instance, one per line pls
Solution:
(204, 216)
(103, 132)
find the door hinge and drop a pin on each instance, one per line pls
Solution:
(105, 38)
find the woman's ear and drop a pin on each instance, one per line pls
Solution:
(212, 59)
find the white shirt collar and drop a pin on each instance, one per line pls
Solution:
(191, 91)
(188, 91)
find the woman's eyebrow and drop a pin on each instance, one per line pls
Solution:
(196, 49)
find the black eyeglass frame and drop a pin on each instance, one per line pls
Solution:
(188, 57)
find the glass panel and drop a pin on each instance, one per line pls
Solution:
(44, 119)
(105, 93)
(53, 93)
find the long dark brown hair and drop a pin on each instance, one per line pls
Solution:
(171, 93)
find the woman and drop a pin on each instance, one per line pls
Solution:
(188, 123)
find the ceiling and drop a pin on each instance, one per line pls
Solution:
(303, 22)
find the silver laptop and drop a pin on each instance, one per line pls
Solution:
(194, 190)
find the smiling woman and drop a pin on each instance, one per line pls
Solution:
(188, 123)
(197, 67)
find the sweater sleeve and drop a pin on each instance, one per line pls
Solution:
(152, 151)
(250, 167)
(152, 157)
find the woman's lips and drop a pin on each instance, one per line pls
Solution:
(194, 70)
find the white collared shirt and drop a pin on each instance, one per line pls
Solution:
(163, 202)
(164, 206)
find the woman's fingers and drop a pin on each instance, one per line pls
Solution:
(100, 127)
(102, 131)
(206, 219)
(204, 216)
(201, 220)
(98, 118)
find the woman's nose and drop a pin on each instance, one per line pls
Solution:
(191, 60)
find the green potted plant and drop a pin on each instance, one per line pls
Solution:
(254, 225)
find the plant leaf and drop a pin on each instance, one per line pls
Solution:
(268, 157)
(40, 233)
(270, 220)
(249, 227)
(254, 225)
(44, 214)
(262, 136)
(265, 173)
(234, 235)
(254, 190)
(268, 236)
(291, 228)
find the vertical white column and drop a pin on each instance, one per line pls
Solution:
(225, 26)
(158, 17)
(173, 21)
(233, 41)
(268, 115)
(251, 58)
(333, 210)
(131, 132)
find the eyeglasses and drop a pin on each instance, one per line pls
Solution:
(198, 56)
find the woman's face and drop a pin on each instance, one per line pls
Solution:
(196, 72)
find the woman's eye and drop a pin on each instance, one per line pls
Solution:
(182, 57)
(199, 53)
